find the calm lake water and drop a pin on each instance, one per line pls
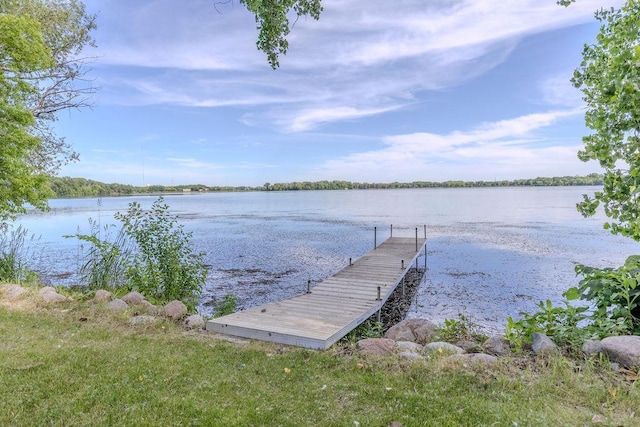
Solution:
(492, 252)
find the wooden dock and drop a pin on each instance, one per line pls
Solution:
(335, 306)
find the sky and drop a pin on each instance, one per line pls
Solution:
(375, 91)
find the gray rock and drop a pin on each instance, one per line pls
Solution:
(13, 291)
(51, 297)
(410, 355)
(442, 347)
(624, 350)
(376, 346)
(143, 320)
(102, 295)
(420, 331)
(151, 309)
(497, 345)
(469, 346)
(409, 346)
(195, 321)
(475, 358)
(46, 289)
(117, 305)
(542, 344)
(133, 298)
(175, 310)
(592, 347)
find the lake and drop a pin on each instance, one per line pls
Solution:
(491, 252)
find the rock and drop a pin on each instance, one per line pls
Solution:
(102, 295)
(469, 346)
(542, 344)
(624, 350)
(475, 358)
(151, 309)
(13, 291)
(410, 355)
(376, 346)
(195, 321)
(143, 320)
(419, 331)
(592, 347)
(442, 347)
(395, 424)
(497, 345)
(46, 289)
(52, 297)
(409, 346)
(117, 305)
(175, 310)
(133, 298)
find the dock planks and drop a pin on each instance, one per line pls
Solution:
(334, 307)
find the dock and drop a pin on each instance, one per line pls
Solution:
(334, 307)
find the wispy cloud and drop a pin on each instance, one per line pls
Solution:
(363, 58)
(507, 148)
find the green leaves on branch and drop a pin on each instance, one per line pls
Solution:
(272, 18)
(163, 267)
(151, 253)
(609, 77)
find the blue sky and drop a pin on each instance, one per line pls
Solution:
(376, 91)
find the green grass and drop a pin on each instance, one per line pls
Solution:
(78, 365)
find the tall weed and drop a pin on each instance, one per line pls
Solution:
(14, 255)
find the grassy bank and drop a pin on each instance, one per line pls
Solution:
(79, 365)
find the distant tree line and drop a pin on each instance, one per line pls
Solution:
(66, 187)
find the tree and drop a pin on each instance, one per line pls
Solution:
(273, 23)
(22, 49)
(609, 78)
(53, 79)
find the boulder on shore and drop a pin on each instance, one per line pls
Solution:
(542, 344)
(420, 331)
(175, 310)
(377, 346)
(624, 350)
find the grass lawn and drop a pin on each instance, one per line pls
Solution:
(76, 364)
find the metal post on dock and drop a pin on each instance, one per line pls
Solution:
(309, 286)
(416, 239)
(425, 257)
(425, 231)
(350, 262)
(402, 264)
(375, 237)
(391, 230)
(378, 299)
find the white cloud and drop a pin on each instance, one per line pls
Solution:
(504, 149)
(363, 58)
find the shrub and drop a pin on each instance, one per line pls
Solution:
(163, 266)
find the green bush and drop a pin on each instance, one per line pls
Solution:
(614, 308)
(163, 266)
(460, 329)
